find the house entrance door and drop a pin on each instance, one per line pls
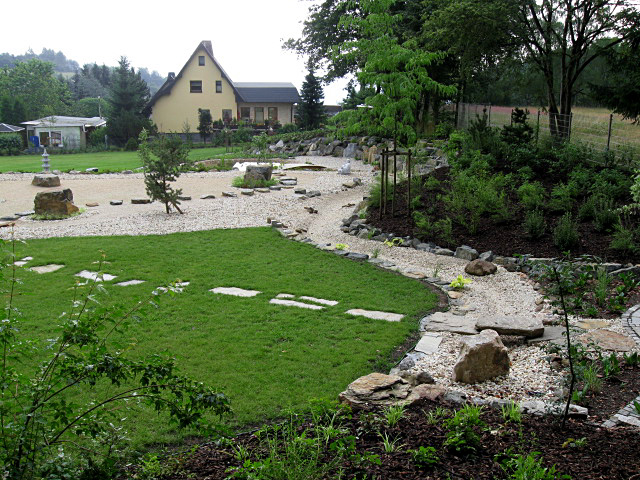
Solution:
(44, 139)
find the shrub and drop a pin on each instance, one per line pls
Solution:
(519, 132)
(565, 235)
(531, 195)
(587, 210)
(605, 218)
(131, 145)
(461, 436)
(535, 224)
(96, 137)
(10, 143)
(288, 128)
(562, 198)
(623, 241)
(241, 135)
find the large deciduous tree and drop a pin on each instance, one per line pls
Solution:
(311, 112)
(566, 30)
(128, 95)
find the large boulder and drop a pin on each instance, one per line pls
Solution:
(58, 202)
(465, 252)
(350, 151)
(258, 173)
(529, 327)
(376, 389)
(481, 357)
(46, 180)
(480, 268)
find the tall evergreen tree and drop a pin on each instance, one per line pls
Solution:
(311, 112)
(128, 95)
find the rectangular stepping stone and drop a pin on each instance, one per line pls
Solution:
(130, 282)
(376, 315)
(52, 267)
(529, 327)
(177, 288)
(235, 291)
(285, 295)
(429, 343)
(292, 303)
(95, 276)
(322, 301)
(447, 322)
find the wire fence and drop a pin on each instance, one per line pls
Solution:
(602, 131)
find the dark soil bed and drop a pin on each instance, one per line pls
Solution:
(583, 450)
(507, 238)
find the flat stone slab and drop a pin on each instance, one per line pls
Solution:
(140, 201)
(293, 303)
(247, 191)
(592, 324)
(376, 315)
(229, 194)
(276, 188)
(25, 214)
(92, 204)
(46, 180)
(447, 322)
(177, 288)
(551, 334)
(95, 276)
(429, 343)
(115, 202)
(208, 196)
(235, 291)
(129, 283)
(52, 267)
(184, 198)
(263, 190)
(529, 327)
(285, 295)
(608, 340)
(321, 301)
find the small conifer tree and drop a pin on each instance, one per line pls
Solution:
(311, 112)
(162, 160)
(205, 124)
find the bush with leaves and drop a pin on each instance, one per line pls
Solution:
(162, 160)
(46, 428)
(565, 235)
(10, 144)
(519, 132)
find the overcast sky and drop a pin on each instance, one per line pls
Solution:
(247, 35)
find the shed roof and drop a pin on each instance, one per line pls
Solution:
(61, 121)
(271, 92)
(6, 128)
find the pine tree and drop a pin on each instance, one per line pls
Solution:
(311, 112)
(205, 124)
(128, 95)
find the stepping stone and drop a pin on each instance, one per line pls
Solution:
(447, 322)
(92, 204)
(95, 276)
(127, 172)
(608, 340)
(229, 194)
(177, 288)
(429, 343)
(289, 181)
(292, 303)
(357, 256)
(454, 295)
(313, 193)
(115, 202)
(23, 262)
(285, 295)
(92, 170)
(247, 191)
(184, 198)
(414, 274)
(529, 327)
(140, 201)
(552, 334)
(5, 224)
(322, 301)
(300, 191)
(208, 196)
(25, 214)
(590, 324)
(276, 188)
(129, 283)
(9, 218)
(376, 315)
(263, 190)
(52, 267)
(235, 291)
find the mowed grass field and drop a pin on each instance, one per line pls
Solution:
(265, 357)
(104, 161)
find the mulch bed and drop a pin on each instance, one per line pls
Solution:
(603, 454)
(507, 238)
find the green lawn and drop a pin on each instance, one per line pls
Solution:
(264, 357)
(105, 161)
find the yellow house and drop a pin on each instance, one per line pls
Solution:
(203, 84)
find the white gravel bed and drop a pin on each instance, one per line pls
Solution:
(530, 376)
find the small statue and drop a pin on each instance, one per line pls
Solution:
(345, 169)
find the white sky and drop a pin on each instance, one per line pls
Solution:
(247, 35)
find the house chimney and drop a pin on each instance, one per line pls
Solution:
(207, 46)
(171, 76)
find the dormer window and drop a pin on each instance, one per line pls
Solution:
(218, 86)
(195, 86)
(201, 60)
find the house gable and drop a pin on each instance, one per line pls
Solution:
(202, 83)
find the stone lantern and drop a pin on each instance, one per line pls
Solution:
(46, 178)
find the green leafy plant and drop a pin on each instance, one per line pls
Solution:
(528, 467)
(532, 196)
(575, 443)
(565, 235)
(461, 436)
(425, 457)
(393, 414)
(375, 253)
(460, 282)
(511, 412)
(610, 365)
(389, 444)
(436, 415)
(341, 246)
(535, 224)
(592, 381)
(636, 405)
(605, 217)
(394, 242)
(632, 359)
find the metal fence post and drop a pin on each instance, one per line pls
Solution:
(489, 114)
(538, 128)
(570, 124)
(609, 133)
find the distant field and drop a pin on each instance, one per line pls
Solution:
(104, 161)
(588, 125)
